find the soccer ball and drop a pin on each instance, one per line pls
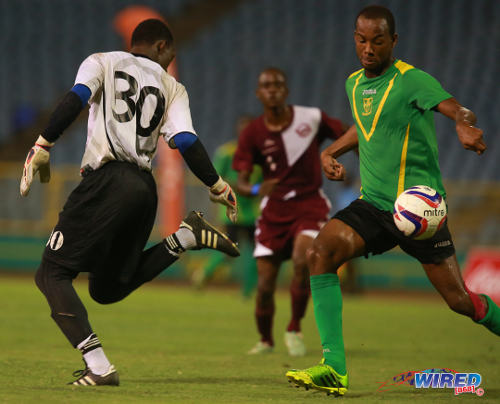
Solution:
(419, 212)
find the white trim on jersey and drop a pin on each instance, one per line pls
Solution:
(301, 133)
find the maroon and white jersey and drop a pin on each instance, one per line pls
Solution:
(134, 101)
(291, 155)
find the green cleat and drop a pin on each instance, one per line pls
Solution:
(321, 377)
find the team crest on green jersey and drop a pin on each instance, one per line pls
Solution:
(367, 106)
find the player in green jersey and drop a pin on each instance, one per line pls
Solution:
(243, 231)
(392, 104)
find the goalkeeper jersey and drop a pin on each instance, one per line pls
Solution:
(134, 101)
(396, 132)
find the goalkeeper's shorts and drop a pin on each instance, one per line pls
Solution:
(106, 221)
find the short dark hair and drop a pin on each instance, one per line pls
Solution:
(274, 70)
(374, 12)
(150, 31)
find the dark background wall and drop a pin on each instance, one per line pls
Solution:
(219, 60)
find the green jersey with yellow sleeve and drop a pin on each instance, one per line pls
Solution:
(394, 117)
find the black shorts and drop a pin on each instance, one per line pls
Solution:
(376, 227)
(106, 221)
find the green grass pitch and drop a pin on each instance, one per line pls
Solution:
(173, 345)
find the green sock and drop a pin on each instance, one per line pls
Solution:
(492, 318)
(327, 301)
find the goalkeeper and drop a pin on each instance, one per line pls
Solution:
(107, 220)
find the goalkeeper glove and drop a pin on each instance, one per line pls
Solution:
(222, 193)
(37, 160)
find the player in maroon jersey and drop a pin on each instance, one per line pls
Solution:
(285, 142)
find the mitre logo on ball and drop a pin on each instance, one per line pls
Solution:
(419, 212)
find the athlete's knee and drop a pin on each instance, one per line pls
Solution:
(266, 282)
(48, 275)
(55, 282)
(300, 262)
(266, 286)
(300, 277)
(265, 298)
(324, 256)
(265, 290)
(310, 257)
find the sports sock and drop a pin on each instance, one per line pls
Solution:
(479, 307)
(93, 354)
(492, 318)
(186, 238)
(300, 297)
(327, 301)
(264, 319)
(180, 241)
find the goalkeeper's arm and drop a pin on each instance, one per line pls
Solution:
(65, 113)
(196, 157)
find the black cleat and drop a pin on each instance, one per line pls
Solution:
(87, 378)
(208, 236)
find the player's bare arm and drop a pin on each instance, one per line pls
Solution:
(245, 188)
(243, 185)
(267, 186)
(334, 170)
(469, 135)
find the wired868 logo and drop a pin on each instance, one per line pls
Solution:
(437, 379)
(460, 382)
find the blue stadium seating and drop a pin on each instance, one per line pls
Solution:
(454, 40)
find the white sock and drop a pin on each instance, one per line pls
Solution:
(186, 238)
(97, 361)
(93, 354)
